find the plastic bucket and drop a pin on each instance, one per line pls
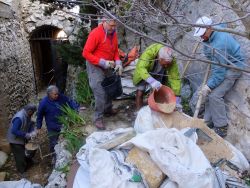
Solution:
(112, 86)
(163, 100)
(30, 150)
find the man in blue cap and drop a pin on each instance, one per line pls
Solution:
(221, 48)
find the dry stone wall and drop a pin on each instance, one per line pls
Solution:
(34, 17)
(16, 73)
(18, 19)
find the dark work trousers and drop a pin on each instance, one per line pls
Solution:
(53, 139)
(18, 151)
(102, 103)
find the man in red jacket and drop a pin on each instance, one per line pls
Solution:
(101, 54)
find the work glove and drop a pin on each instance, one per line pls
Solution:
(106, 64)
(205, 90)
(178, 104)
(33, 134)
(28, 136)
(118, 67)
(155, 84)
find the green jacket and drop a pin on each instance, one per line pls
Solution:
(146, 64)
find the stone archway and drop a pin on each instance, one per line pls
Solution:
(49, 67)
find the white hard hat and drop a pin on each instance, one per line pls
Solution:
(199, 31)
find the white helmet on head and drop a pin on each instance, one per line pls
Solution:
(199, 31)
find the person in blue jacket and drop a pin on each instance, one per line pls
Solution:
(21, 130)
(50, 108)
(221, 48)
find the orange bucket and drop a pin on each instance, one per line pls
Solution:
(163, 100)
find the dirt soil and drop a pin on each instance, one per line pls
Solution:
(125, 117)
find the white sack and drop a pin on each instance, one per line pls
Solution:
(143, 121)
(177, 156)
(23, 183)
(98, 166)
(104, 172)
(238, 158)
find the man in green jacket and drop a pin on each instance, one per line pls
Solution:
(155, 67)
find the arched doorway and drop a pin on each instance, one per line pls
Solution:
(49, 67)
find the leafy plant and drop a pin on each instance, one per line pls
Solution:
(72, 52)
(185, 107)
(247, 181)
(64, 169)
(83, 91)
(72, 129)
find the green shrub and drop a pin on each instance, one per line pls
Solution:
(84, 94)
(72, 130)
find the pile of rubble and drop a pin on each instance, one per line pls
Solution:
(162, 150)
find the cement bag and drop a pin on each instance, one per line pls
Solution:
(101, 168)
(82, 178)
(105, 172)
(23, 183)
(238, 158)
(177, 156)
(168, 184)
(143, 121)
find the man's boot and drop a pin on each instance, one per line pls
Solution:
(221, 131)
(111, 112)
(99, 124)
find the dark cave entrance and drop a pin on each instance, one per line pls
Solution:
(49, 67)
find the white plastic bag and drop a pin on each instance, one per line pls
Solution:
(143, 121)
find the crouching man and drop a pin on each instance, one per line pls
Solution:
(20, 131)
(155, 67)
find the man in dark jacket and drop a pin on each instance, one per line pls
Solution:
(50, 108)
(21, 129)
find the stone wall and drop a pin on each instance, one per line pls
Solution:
(18, 19)
(16, 72)
(34, 17)
(72, 79)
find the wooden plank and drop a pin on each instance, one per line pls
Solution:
(120, 139)
(149, 170)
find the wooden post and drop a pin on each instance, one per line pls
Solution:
(117, 140)
(198, 105)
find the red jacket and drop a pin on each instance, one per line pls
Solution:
(100, 46)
